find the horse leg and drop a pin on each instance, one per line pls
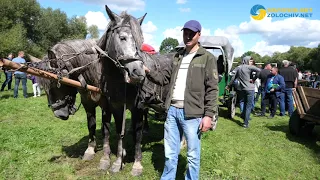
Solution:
(91, 119)
(106, 119)
(146, 123)
(121, 152)
(137, 122)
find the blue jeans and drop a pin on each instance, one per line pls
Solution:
(176, 124)
(247, 98)
(288, 99)
(23, 78)
(315, 84)
(8, 81)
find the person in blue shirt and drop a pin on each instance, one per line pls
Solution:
(274, 89)
(20, 76)
(8, 74)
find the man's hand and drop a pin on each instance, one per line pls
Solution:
(205, 124)
(294, 89)
(272, 90)
(147, 70)
(227, 88)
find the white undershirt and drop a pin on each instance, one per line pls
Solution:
(180, 85)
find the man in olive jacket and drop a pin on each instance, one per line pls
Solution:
(191, 103)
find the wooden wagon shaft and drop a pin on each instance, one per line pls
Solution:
(37, 72)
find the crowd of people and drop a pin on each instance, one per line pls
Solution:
(19, 76)
(275, 87)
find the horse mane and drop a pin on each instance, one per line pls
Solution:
(43, 82)
(92, 73)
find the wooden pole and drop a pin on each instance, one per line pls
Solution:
(37, 72)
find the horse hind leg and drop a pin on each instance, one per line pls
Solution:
(105, 160)
(91, 119)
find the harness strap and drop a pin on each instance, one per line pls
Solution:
(116, 62)
(82, 82)
(124, 112)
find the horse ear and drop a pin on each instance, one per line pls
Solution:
(140, 20)
(51, 55)
(113, 16)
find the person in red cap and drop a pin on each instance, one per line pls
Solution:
(191, 103)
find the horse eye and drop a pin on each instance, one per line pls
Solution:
(122, 38)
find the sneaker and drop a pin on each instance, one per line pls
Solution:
(245, 126)
(34, 96)
(38, 95)
(260, 115)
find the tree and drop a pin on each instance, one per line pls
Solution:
(24, 12)
(51, 27)
(168, 44)
(77, 28)
(93, 31)
(13, 40)
(253, 54)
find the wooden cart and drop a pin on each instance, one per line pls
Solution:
(307, 113)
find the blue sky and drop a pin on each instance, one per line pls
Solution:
(165, 18)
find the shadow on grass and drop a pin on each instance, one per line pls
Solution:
(151, 142)
(223, 112)
(309, 141)
(155, 134)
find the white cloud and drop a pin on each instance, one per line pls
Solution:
(184, 9)
(97, 18)
(290, 31)
(120, 5)
(149, 27)
(181, 1)
(277, 35)
(263, 48)
(234, 39)
(175, 33)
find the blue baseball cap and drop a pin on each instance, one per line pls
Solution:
(193, 25)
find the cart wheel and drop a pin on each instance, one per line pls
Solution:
(232, 106)
(298, 126)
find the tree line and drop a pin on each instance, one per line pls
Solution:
(25, 25)
(303, 57)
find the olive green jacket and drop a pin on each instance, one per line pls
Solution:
(201, 93)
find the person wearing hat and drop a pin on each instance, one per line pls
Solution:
(191, 103)
(290, 76)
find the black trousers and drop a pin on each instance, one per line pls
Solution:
(272, 99)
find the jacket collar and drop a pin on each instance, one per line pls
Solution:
(200, 51)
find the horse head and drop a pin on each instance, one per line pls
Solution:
(123, 41)
(61, 99)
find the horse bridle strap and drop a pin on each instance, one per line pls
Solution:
(116, 62)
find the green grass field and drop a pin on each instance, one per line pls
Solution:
(36, 145)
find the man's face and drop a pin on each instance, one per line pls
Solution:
(274, 71)
(10, 56)
(251, 62)
(269, 66)
(190, 38)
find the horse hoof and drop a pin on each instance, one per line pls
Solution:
(136, 171)
(115, 167)
(87, 157)
(104, 164)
